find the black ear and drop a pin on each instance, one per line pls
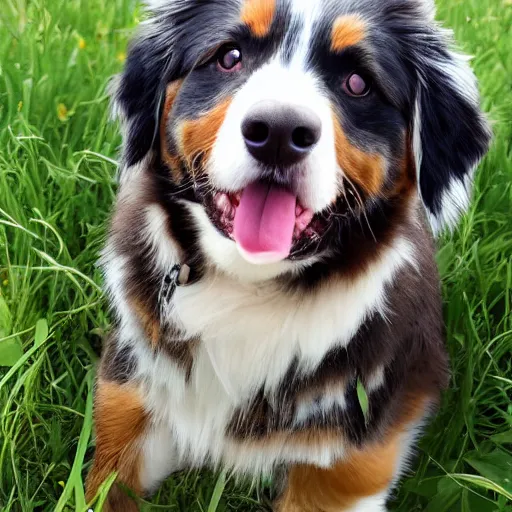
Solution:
(138, 94)
(451, 135)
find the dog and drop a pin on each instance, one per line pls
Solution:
(270, 262)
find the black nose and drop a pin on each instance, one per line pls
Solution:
(280, 135)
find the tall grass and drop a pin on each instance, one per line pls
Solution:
(57, 162)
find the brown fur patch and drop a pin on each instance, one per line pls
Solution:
(258, 16)
(148, 321)
(181, 351)
(405, 184)
(414, 407)
(364, 472)
(167, 340)
(172, 160)
(198, 136)
(347, 31)
(120, 421)
(365, 169)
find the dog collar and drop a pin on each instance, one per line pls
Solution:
(179, 275)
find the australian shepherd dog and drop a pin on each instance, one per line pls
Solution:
(270, 261)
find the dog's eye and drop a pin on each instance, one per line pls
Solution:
(229, 58)
(357, 85)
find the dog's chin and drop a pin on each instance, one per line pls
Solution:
(306, 229)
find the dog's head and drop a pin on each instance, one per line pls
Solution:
(293, 121)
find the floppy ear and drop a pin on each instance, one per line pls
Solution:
(451, 135)
(138, 94)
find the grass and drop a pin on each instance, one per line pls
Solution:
(57, 162)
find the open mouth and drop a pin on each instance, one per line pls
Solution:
(265, 220)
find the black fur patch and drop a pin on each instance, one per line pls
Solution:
(454, 133)
(454, 137)
(140, 95)
(118, 364)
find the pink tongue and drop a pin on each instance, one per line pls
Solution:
(264, 223)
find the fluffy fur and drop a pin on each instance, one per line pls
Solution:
(255, 368)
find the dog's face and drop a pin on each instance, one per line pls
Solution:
(294, 120)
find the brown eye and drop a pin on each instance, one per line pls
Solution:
(229, 58)
(356, 85)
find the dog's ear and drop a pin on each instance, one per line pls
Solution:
(450, 133)
(138, 94)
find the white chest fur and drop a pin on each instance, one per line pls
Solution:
(250, 333)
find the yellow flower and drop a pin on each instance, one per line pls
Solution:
(20, 106)
(62, 112)
(5, 282)
(121, 57)
(81, 43)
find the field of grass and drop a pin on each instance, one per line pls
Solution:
(57, 163)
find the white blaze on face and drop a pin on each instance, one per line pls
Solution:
(232, 168)
(306, 12)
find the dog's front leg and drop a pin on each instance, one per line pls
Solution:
(349, 486)
(121, 424)
(127, 442)
(360, 482)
